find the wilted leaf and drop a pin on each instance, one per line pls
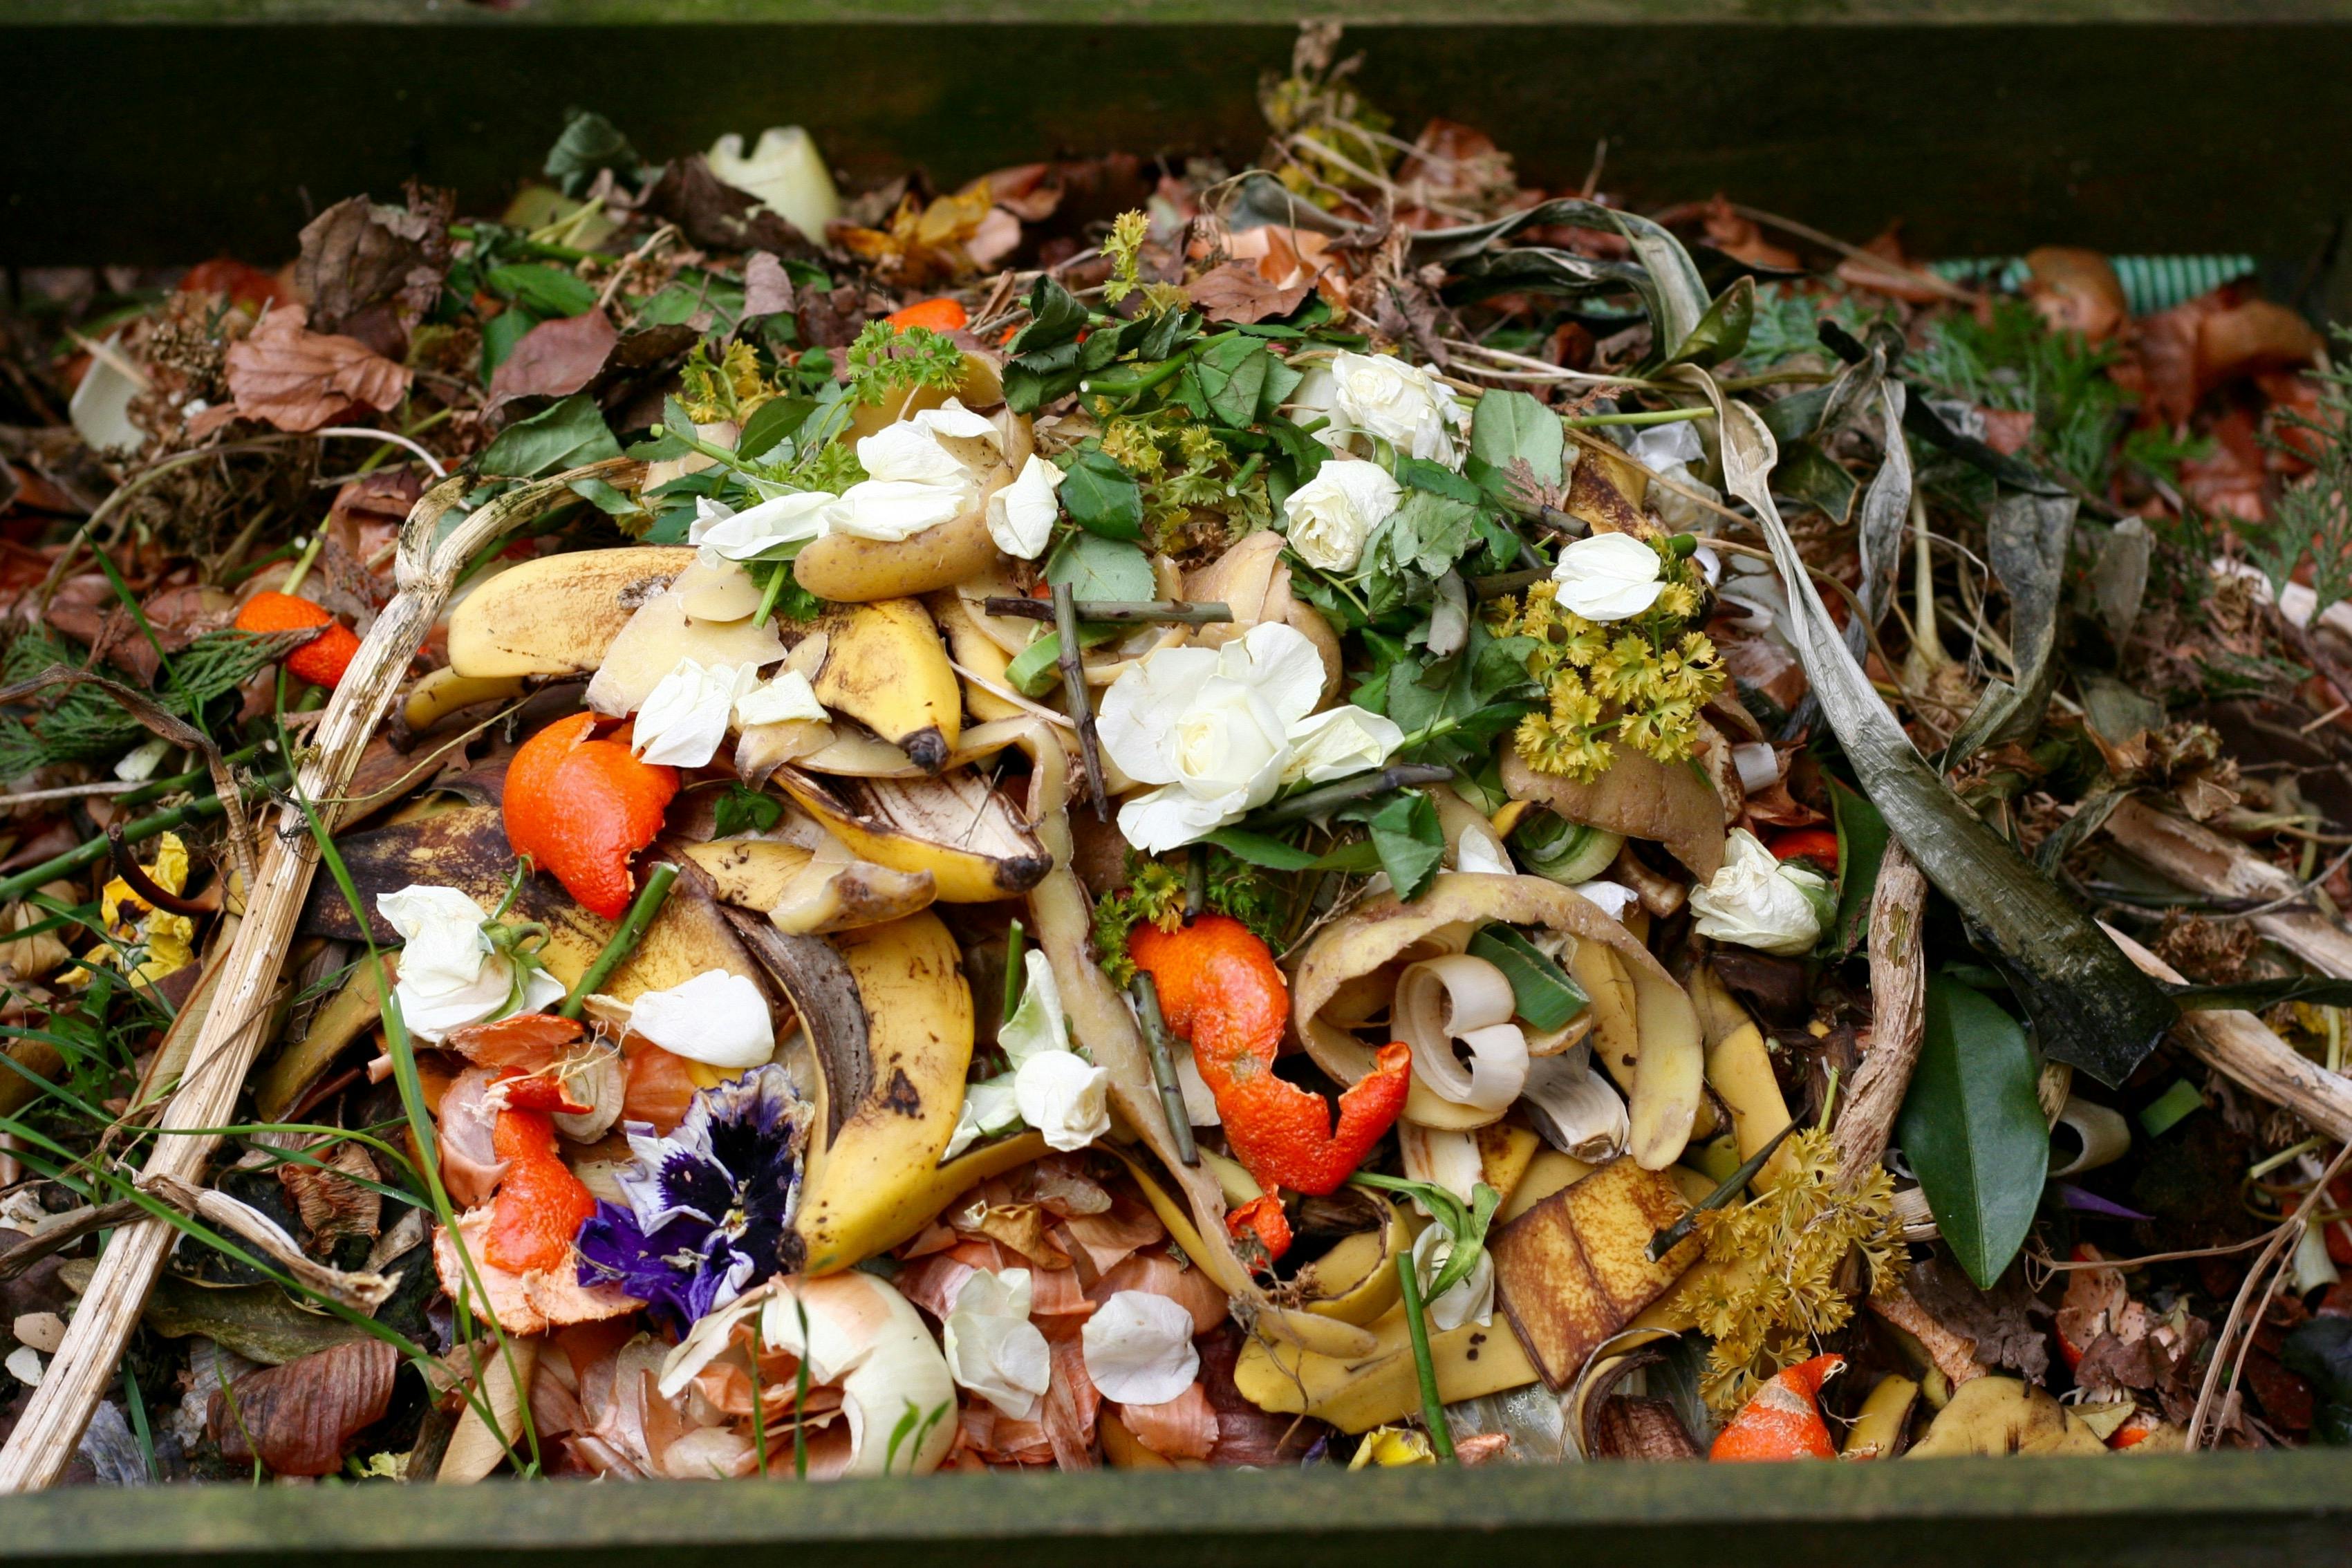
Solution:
(716, 216)
(296, 1418)
(332, 1205)
(300, 380)
(374, 270)
(767, 287)
(555, 359)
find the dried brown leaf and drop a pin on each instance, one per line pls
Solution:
(299, 379)
(767, 288)
(555, 359)
(332, 1205)
(1238, 291)
(296, 1418)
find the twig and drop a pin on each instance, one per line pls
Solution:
(1898, 973)
(359, 432)
(1404, 775)
(660, 236)
(1668, 1237)
(69, 1229)
(152, 894)
(625, 937)
(70, 791)
(1173, 612)
(1074, 692)
(1895, 272)
(1163, 1067)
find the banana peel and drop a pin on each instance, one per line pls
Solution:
(1659, 1016)
(1999, 1416)
(558, 614)
(1572, 1270)
(887, 1016)
(465, 848)
(956, 828)
(804, 893)
(1356, 1280)
(886, 668)
(1358, 1392)
(444, 691)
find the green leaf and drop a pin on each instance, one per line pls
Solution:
(1972, 1129)
(1099, 568)
(741, 810)
(1421, 474)
(1281, 381)
(1411, 845)
(569, 434)
(1264, 850)
(544, 290)
(1033, 380)
(606, 498)
(771, 422)
(499, 335)
(590, 142)
(1103, 498)
(1722, 333)
(1514, 426)
(1036, 669)
(1232, 368)
(1056, 317)
(1543, 994)
(1862, 847)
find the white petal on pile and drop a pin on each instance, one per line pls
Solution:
(684, 718)
(716, 1018)
(1139, 1348)
(992, 1348)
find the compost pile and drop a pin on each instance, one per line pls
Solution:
(1338, 813)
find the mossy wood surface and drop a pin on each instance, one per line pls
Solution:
(2243, 1510)
(182, 141)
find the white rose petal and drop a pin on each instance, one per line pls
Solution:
(1038, 1023)
(1400, 404)
(1021, 515)
(957, 423)
(1756, 901)
(746, 535)
(1476, 852)
(1139, 1348)
(449, 975)
(892, 509)
(1338, 741)
(1330, 517)
(992, 1348)
(1615, 898)
(1468, 1299)
(1212, 726)
(910, 451)
(785, 697)
(24, 1364)
(1608, 577)
(716, 1018)
(1668, 451)
(989, 1109)
(139, 762)
(1065, 1097)
(684, 718)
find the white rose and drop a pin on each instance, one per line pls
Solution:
(1757, 902)
(1021, 515)
(1330, 517)
(794, 519)
(1400, 404)
(1338, 741)
(1212, 726)
(1065, 1097)
(1139, 1348)
(786, 696)
(1608, 577)
(448, 974)
(716, 1018)
(685, 717)
(992, 1348)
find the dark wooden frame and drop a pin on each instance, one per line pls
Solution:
(2246, 1511)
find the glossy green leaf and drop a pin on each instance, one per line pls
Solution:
(568, 435)
(1722, 333)
(1542, 991)
(1411, 844)
(1098, 568)
(1103, 498)
(1972, 1128)
(1231, 369)
(1861, 846)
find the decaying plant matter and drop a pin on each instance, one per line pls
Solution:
(1358, 814)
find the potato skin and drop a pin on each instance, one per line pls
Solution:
(850, 571)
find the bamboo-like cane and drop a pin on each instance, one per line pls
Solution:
(425, 573)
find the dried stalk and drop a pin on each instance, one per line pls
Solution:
(1170, 612)
(2200, 859)
(360, 1292)
(1898, 996)
(425, 572)
(2242, 1048)
(1074, 690)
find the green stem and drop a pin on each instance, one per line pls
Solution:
(302, 569)
(1136, 384)
(692, 442)
(86, 855)
(647, 904)
(1432, 1408)
(1672, 1235)
(1015, 939)
(1644, 417)
(774, 592)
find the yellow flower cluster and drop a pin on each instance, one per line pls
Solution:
(1642, 687)
(1768, 1283)
(731, 389)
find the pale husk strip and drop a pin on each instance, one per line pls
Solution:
(425, 572)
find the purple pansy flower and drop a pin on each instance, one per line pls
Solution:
(711, 1206)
